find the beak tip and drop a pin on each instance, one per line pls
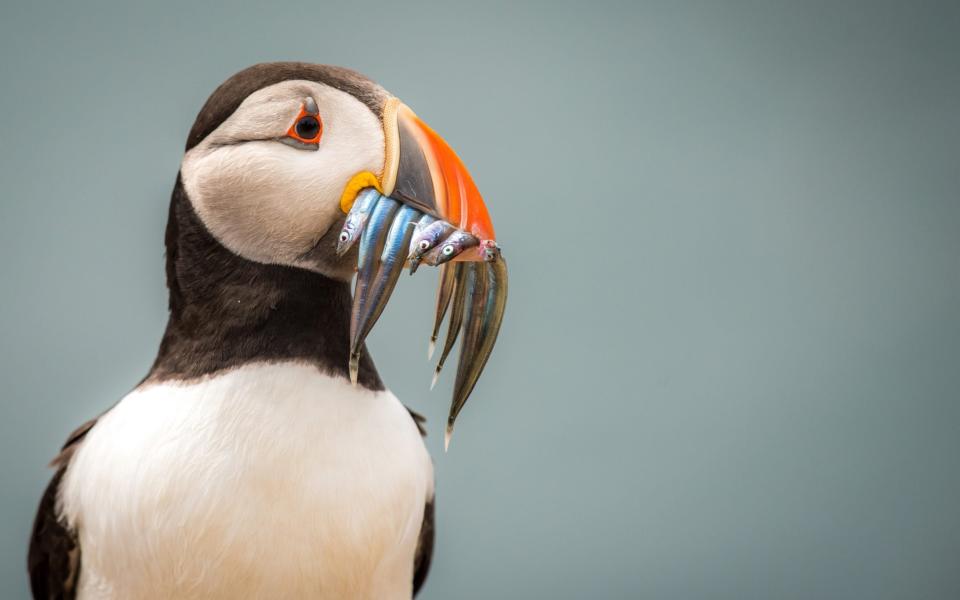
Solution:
(446, 437)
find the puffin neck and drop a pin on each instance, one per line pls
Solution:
(227, 311)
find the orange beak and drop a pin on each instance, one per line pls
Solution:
(423, 171)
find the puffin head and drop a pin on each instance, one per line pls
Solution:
(315, 168)
(280, 152)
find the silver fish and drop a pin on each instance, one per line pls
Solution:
(380, 287)
(450, 248)
(444, 293)
(422, 225)
(371, 245)
(356, 219)
(487, 295)
(426, 240)
(491, 251)
(461, 273)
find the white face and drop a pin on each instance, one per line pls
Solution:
(267, 200)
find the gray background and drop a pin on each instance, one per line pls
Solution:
(731, 360)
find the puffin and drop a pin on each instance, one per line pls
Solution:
(262, 456)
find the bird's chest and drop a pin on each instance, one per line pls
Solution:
(267, 481)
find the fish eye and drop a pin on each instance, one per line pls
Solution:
(447, 250)
(344, 236)
(424, 244)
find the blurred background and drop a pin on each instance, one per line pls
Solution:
(730, 366)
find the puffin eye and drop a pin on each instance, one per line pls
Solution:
(307, 128)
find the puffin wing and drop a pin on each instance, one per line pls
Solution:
(53, 560)
(421, 560)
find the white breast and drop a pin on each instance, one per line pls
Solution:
(267, 481)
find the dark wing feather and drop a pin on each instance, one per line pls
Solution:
(421, 561)
(53, 560)
(419, 420)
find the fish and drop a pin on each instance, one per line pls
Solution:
(461, 272)
(426, 240)
(490, 250)
(380, 286)
(371, 245)
(444, 293)
(487, 295)
(422, 224)
(451, 247)
(356, 219)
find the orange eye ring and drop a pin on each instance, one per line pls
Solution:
(307, 127)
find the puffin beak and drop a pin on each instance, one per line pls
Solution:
(425, 208)
(423, 171)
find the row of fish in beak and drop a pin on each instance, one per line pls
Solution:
(391, 234)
